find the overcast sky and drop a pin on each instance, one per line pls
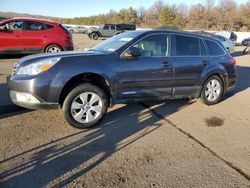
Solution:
(77, 8)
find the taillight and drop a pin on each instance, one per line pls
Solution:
(233, 61)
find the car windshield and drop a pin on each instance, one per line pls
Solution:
(116, 42)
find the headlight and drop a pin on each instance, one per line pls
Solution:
(37, 67)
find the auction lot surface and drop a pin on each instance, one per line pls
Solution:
(158, 144)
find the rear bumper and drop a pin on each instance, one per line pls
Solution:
(232, 81)
(68, 48)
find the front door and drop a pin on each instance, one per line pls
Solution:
(11, 37)
(149, 75)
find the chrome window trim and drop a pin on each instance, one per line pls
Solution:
(171, 34)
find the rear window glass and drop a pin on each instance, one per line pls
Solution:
(187, 46)
(214, 48)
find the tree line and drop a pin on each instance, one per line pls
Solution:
(225, 15)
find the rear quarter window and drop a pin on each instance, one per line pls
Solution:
(37, 26)
(214, 48)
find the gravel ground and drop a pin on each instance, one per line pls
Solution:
(166, 144)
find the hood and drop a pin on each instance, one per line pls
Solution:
(34, 58)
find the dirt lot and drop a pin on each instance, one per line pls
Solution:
(166, 144)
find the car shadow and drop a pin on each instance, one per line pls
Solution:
(12, 56)
(60, 162)
(243, 81)
(7, 108)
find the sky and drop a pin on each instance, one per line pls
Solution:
(78, 8)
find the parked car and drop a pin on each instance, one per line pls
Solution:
(109, 30)
(28, 35)
(79, 29)
(246, 42)
(228, 35)
(227, 43)
(129, 67)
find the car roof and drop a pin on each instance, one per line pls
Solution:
(175, 31)
(31, 19)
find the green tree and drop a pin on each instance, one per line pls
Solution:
(167, 17)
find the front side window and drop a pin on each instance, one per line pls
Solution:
(154, 46)
(214, 48)
(12, 26)
(187, 46)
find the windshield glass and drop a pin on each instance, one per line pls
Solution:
(116, 42)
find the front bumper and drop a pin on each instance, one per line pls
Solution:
(38, 91)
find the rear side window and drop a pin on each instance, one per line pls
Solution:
(48, 26)
(106, 27)
(37, 26)
(214, 48)
(187, 46)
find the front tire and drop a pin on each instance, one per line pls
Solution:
(212, 91)
(85, 106)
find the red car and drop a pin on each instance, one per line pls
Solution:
(28, 35)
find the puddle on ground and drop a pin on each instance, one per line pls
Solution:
(214, 122)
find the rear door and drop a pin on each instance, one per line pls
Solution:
(190, 59)
(11, 37)
(151, 74)
(106, 31)
(34, 36)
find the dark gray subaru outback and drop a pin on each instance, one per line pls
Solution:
(132, 66)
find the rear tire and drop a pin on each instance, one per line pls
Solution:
(85, 106)
(212, 91)
(53, 48)
(94, 36)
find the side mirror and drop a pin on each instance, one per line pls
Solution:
(132, 52)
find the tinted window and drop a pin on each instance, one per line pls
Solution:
(35, 26)
(48, 26)
(106, 27)
(112, 27)
(214, 48)
(187, 46)
(154, 46)
(203, 48)
(12, 26)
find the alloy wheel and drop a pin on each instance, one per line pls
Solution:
(86, 107)
(213, 90)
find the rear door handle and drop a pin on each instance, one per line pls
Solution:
(205, 62)
(166, 64)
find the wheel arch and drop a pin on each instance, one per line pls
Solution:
(94, 78)
(219, 74)
(44, 49)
